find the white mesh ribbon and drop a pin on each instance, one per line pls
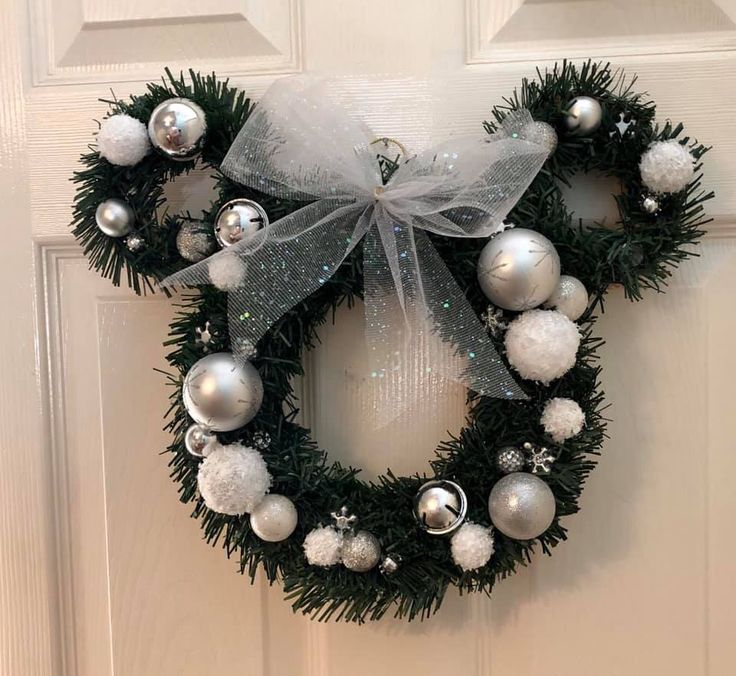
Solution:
(299, 143)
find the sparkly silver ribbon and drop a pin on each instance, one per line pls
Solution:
(301, 144)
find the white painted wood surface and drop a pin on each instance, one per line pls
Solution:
(101, 570)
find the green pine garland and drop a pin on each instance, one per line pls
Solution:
(639, 254)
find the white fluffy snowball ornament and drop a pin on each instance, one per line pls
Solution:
(322, 546)
(123, 140)
(541, 345)
(233, 479)
(562, 418)
(472, 546)
(667, 166)
(226, 271)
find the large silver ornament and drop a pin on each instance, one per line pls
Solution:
(569, 297)
(440, 507)
(221, 393)
(114, 217)
(510, 459)
(583, 116)
(195, 241)
(237, 219)
(518, 269)
(177, 128)
(521, 506)
(361, 551)
(197, 438)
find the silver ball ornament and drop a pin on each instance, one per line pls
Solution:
(521, 506)
(197, 438)
(177, 128)
(583, 116)
(440, 507)
(510, 459)
(237, 219)
(221, 393)
(360, 551)
(115, 217)
(518, 269)
(570, 297)
(274, 518)
(195, 242)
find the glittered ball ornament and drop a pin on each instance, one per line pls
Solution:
(570, 297)
(197, 438)
(542, 345)
(238, 219)
(667, 167)
(274, 518)
(541, 134)
(518, 269)
(510, 459)
(114, 217)
(195, 242)
(440, 507)
(583, 116)
(521, 506)
(472, 546)
(123, 140)
(360, 551)
(221, 393)
(177, 129)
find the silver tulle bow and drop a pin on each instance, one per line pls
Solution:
(300, 144)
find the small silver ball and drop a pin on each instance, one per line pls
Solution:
(518, 269)
(221, 393)
(541, 134)
(521, 506)
(197, 438)
(440, 507)
(583, 116)
(510, 459)
(114, 217)
(135, 242)
(177, 128)
(360, 552)
(650, 204)
(195, 241)
(274, 518)
(237, 219)
(570, 297)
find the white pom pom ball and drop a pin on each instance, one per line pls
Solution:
(274, 518)
(322, 546)
(562, 418)
(123, 140)
(233, 479)
(541, 345)
(226, 271)
(472, 546)
(667, 166)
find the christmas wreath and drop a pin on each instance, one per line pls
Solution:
(309, 215)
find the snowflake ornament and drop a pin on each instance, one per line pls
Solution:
(540, 458)
(203, 335)
(493, 320)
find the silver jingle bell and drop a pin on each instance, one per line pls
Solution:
(197, 438)
(114, 217)
(221, 393)
(177, 128)
(583, 116)
(360, 552)
(521, 506)
(195, 242)
(440, 506)
(518, 269)
(237, 219)
(510, 459)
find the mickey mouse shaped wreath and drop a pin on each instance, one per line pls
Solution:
(311, 212)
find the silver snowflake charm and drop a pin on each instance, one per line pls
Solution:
(625, 120)
(204, 335)
(343, 520)
(261, 440)
(493, 320)
(540, 458)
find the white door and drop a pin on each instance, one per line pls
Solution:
(101, 570)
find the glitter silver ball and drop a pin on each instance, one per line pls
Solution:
(361, 551)
(541, 134)
(261, 440)
(510, 459)
(650, 204)
(583, 116)
(177, 128)
(440, 507)
(570, 297)
(518, 269)
(114, 217)
(389, 564)
(521, 506)
(221, 393)
(274, 518)
(197, 438)
(238, 219)
(135, 242)
(195, 241)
